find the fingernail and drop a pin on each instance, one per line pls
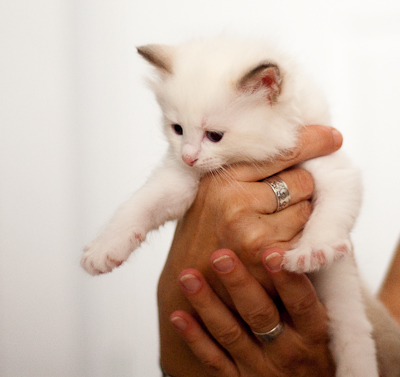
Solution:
(337, 137)
(274, 261)
(190, 282)
(179, 323)
(224, 263)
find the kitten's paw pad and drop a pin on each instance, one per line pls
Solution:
(96, 263)
(312, 258)
(304, 260)
(106, 253)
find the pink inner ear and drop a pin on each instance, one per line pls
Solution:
(268, 80)
(265, 76)
(271, 80)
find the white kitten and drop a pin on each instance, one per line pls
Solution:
(226, 101)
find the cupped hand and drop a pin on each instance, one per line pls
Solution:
(228, 347)
(235, 210)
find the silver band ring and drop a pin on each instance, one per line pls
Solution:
(281, 191)
(271, 335)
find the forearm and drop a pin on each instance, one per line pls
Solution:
(390, 290)
(191, 235)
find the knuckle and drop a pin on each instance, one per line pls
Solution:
(229, 335)
(239, 282)
(261, 317)
(301, 360)
(298, 363)
(292, 156)
(293, 356)
(246, 230)
(254, 239)
(305, 210)
(233, 214)
(303, 305)
(215, 363)
(305, 182)
(319, 334)
(234, 204)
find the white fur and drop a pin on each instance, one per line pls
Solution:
(197, 87)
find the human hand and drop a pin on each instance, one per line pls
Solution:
(228, 348)
(234, 210)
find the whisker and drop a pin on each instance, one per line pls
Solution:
(225, 173)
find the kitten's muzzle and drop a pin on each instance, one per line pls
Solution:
(189, 160)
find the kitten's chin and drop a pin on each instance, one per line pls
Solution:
(207, 166)
(203, 169)
(215, 171)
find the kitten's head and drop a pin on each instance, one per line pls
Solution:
(224, 101)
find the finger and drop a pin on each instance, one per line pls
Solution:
(300, 186)
(289, 222)
(257, 309)
(298, 296)
(314, 141)
(219, 320)
(257, 232)
(251, 300)
(212, 357)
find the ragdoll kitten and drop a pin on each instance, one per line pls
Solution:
(226, 101)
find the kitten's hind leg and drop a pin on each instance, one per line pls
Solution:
(352, 345)
(166, 196)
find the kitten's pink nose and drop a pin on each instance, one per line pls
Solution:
(189, 159)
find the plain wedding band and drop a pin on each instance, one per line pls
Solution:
(271, 335)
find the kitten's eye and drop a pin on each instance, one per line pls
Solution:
(214, 136)
(178, 129)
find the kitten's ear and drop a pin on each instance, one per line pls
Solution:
(265, 76)
(160, 56)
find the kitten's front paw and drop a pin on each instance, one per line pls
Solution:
(309, 258)
(107, 252)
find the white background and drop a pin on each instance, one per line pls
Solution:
(80, 131)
